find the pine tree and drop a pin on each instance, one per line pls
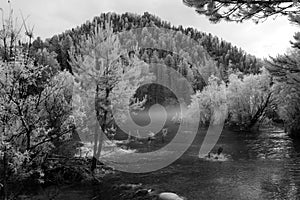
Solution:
(240, 10)
(286, 72)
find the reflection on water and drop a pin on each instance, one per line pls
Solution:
(264, 165)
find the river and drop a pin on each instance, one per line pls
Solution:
(261, 165)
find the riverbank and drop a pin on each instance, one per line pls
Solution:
(105, 184)
(262, 165)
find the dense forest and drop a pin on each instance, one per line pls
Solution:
(41, 118)
(208, 54)
(224, 54)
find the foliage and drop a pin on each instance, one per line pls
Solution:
(245, 100)
(240, 10)
(34, 109)
(285, 71)
(102, 80)
(287, 104)
(174, 50)
(211, 101)
(34, 115)
(226, 56)
(248, 97)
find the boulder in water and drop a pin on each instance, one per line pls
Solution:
(169, 196)
(215, 157)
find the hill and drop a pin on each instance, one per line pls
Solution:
(226, 56)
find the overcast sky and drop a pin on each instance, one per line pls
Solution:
(55, 16)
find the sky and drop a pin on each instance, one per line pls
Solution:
(50, 17)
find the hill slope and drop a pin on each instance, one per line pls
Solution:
(226, 56)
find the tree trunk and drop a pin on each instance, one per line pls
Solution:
(99, 145)
(102, 124)
(28, 140)
(94, 159)
(5, 193)
(259, 112)
(94, 164)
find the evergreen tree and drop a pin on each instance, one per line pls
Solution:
(286, 72)
(240, 10)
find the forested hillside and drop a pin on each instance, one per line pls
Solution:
(226, 56)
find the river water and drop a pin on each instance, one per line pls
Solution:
(261, 165)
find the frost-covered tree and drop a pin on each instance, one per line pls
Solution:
(245, 100)
(211, 102)
(34, 114)
(248, 97)
(103, 84)
(34, 106)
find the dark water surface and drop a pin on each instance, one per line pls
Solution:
(262, 165)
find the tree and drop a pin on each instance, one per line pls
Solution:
(248, 98)
(66, 44)
(179, 40)
(209, 69)
(240, 10)
(29, 84)
(285, 70)
(103, 84)
(287, 103)
(30, 98)
(211, 102)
